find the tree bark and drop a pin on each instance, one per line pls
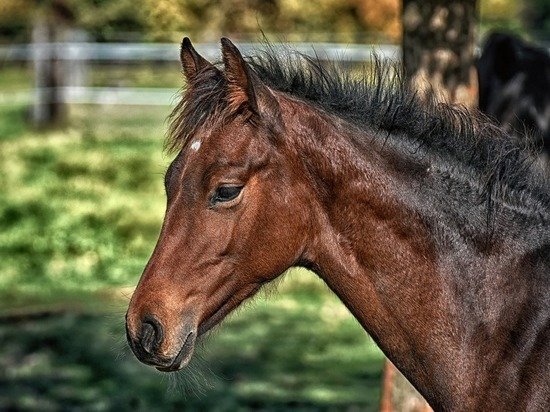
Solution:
(438, 61)
(438, 49)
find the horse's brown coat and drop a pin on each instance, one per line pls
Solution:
(313, 196)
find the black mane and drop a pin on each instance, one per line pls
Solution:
(453, 136)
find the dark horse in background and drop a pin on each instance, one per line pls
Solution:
(429, 223)
(514, 86)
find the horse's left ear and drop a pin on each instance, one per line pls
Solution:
(192, 62)
(245, 88)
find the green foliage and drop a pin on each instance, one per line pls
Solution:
(501, 14)
(15, 16)
(108, 19)
(103, 19)
(319, 20)
(537, 17)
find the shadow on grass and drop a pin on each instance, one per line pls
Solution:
(270, 358)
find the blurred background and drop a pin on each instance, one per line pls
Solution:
(85, 88)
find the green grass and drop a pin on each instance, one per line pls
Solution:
(81, 207)
(299, 350)
(15, 76)
(139, 75)
(80, 211)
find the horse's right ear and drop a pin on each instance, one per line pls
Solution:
(191, 61)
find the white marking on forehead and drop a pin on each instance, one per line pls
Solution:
(196, 145)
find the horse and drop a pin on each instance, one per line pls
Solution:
(427, 221)
(514, 86)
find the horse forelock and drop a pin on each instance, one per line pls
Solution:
(203, 100)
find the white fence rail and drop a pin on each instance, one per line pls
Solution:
(128, 52)
(74, 56)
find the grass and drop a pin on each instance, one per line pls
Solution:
(80, 211)
(14, 77)
(82, 206)
(140, 75)
(300, 350)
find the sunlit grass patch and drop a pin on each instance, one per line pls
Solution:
(79, 213)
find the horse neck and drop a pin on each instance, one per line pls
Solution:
(376, 251)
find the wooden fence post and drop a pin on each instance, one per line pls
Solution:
(45, 110)
(49, 31)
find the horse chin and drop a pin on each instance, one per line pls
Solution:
(186, 352)
(184, 355)
(227, 307)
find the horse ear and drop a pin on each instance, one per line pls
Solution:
(191, 61)
(245, 88)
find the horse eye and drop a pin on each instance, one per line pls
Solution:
(226, 193)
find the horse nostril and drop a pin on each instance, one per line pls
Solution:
(151, 335)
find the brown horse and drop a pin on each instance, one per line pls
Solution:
(429, 223)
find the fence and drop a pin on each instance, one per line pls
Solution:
(74, 57)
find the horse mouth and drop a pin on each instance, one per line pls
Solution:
(225, 308)
(184, 355)
(186, 351)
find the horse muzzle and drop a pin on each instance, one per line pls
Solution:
(149, 343)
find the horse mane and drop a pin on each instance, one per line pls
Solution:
(452, 136)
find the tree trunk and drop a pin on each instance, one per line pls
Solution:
(438, 59)
(438, 49)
